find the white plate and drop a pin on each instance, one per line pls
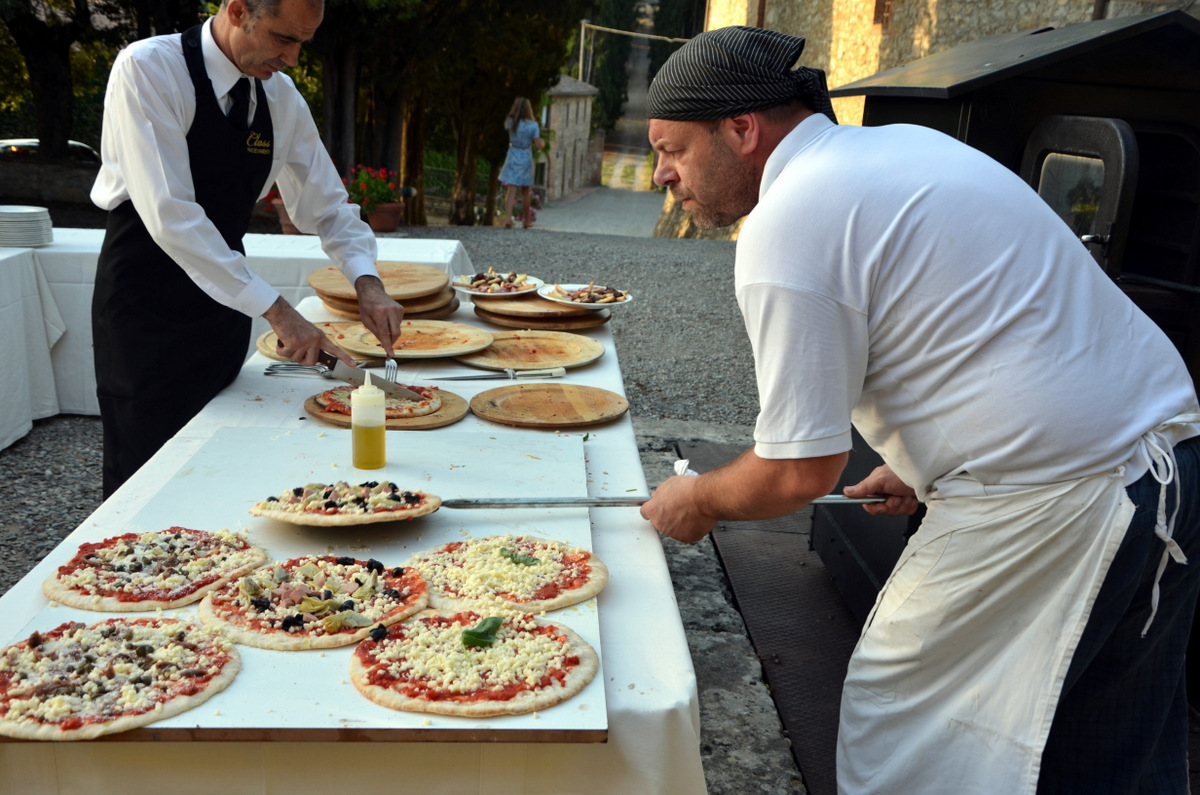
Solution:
(546, 291)
(462, 285)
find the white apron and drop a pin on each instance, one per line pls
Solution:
(954, 683)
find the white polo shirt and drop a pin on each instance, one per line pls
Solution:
(895, 278)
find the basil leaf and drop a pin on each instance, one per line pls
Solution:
(483, 633)
(517, 557)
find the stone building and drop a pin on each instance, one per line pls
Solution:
(570, 159)
(853, 39)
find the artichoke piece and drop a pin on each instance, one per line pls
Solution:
(368, 588)
(279, 575)
(343, 620)
(249, 587)
(309, 570)
(316, 605)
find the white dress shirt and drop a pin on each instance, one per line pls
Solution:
(148, 110)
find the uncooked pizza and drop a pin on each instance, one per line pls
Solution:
(151, 571)
(341, 504)
(80, 681)
(314, 602)
(523, 572)
(338, 400)
(473, 664)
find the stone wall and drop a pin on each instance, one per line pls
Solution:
(843, 38)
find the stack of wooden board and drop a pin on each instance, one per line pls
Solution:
(535, 312)
(423, 290)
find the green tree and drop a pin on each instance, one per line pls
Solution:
(611, 59)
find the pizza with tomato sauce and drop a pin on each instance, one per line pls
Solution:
(314, 602)
(151, 571)
(341, 504)
(527, 573)
(337, 400)
(78, 681)
(473, 664)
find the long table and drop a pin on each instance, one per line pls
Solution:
(651, 722)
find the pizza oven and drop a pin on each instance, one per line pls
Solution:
(1103, 119)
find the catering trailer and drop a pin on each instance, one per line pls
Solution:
(1103, 119)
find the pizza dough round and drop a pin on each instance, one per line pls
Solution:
(525, 573)
(78, 682)
(423, 665)
(342, 505)
(151, 571)
(314, 602)
(394, 408)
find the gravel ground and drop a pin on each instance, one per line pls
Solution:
(688, 375)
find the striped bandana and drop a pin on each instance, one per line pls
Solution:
(731, 71)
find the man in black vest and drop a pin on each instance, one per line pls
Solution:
(197, 127)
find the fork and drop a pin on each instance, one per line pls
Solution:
(390, 369)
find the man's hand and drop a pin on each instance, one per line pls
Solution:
(674, 512)
(380, 314)
(299, 340)
(901, 501)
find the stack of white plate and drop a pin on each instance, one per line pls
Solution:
(25, 226)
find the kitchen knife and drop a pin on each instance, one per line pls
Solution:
(607, 502)
(356, 376)
(509, 373)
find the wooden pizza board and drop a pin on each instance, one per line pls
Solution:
(592, 320)
(432, 314)
(424, 303)
(453, 409)
(420, 339)
(549, 405)
(531, 305)
(533, 349)
(400, 279)
(268, 342)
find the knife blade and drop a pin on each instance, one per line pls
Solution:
(356, 376)
(607, 502)
(509, 373)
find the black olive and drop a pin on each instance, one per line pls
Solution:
(398, 572)
(378, 633)
(346, 561)
(370, 484)
(35, 640)
(298, 491)
(411, 498)
(374, 565)
(272, 499)
(347, 605)
(327, 594)
(331, 503)
(292, 621)
(261, 603)
(396, 497)
(391, 593)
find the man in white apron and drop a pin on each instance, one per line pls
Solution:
(1031, 637)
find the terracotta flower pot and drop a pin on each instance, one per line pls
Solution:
(385, 217)
(285, 220)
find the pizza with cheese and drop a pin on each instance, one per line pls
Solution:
(473, 664)
(151, 571)
(314, 602)
(337, 400)
(81, 681)
(340, 504)
(527, 573)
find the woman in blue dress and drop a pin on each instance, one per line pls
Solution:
(524, 135)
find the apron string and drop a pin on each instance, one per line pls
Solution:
(1164, 469)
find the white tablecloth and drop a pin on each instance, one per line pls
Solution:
(284, 261)
(649, 684)
(30, 327)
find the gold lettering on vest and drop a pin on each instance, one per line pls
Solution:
(257, 145)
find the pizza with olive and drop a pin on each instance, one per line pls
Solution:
(341, 504)
(314, 602)
(79, 681)
(337, 400)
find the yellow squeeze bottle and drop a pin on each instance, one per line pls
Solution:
(367, 427)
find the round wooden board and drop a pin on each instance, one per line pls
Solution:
(433, 314)
(532, 349)
(268, 342)
(425, 303)
(531, 305)
(592, 320)
(421, 339)
(549, 405)
(400, 279)
(453, 409)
